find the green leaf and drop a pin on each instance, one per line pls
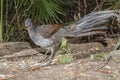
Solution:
(65, 59)
(64, 43)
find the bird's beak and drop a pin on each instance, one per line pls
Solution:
(25, 28)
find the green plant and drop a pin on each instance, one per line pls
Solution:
(116, 4)
(113, 77)
(42, 11)
(47, 10)
(111, 4)
(64, 52)
(1, 20)
(64, 47)
(67, 58)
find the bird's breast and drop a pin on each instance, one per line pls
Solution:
(39, 40)
(45, 43)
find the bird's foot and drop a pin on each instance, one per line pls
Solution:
(44, 64)
(44, 57)
(47, 63)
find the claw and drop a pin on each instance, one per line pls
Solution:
(45, 56)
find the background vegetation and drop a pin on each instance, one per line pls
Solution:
(45, 12)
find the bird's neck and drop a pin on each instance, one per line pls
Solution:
(31, 30)
(34, 35)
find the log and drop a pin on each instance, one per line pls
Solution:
(7, 48)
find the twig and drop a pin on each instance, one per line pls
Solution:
(97, 4)
(24, 13)
(85, 5)
(6, 22)
(17, 16)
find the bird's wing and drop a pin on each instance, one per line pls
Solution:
(47, 30)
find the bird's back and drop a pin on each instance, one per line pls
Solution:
(47, 30)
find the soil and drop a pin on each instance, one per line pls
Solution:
(19, 61)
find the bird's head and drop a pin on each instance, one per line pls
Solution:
(28, 24)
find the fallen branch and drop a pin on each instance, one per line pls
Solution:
(26, 52)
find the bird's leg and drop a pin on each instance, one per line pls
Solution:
(51, 56)
(44, 57)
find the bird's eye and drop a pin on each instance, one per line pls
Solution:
(30, 25)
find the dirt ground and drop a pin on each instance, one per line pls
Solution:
(18, 61)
